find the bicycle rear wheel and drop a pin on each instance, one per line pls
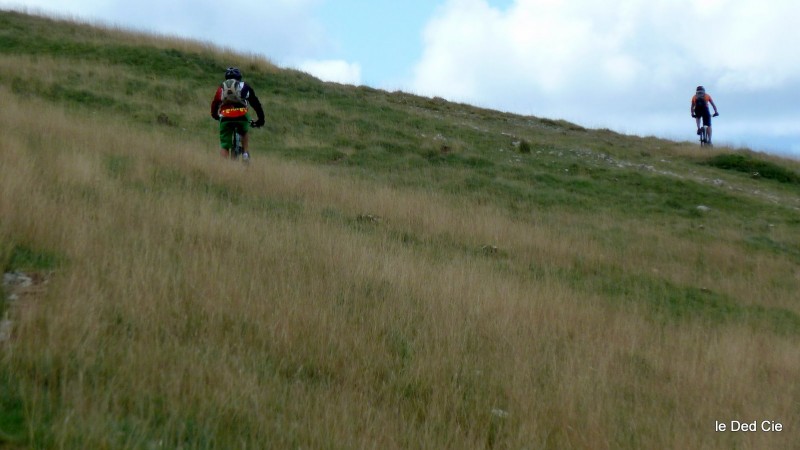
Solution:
(236, 148)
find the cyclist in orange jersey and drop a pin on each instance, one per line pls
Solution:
(699, 109)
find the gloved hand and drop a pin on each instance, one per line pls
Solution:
(259, 123)
(694, 116)
(215, 117)
(715, 114)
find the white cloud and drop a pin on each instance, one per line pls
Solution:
(630, 65)
(546, 53)
(333, 70)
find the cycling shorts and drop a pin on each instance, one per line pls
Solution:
(706, 118)
(705, 114)
(228, 126)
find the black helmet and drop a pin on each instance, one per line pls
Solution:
(701, 88)
(233, 72)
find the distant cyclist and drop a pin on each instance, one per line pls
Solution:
(230, 108)
(699, 109)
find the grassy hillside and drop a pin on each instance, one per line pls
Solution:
(390, 271)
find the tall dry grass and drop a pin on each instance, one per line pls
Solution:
(207, 306)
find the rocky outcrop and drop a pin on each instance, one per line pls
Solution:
(18, 288)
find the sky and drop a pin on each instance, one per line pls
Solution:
(630, 65)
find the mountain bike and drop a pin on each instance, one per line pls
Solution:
(237, 149)
(705, 138)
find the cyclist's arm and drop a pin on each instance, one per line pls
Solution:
(712, 104)
(691, 106)
(253, 100)
(215, 104)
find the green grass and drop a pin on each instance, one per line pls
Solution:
(25, 258)
(12, 413)
(755, 167)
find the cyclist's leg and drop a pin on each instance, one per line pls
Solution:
(244, 128)
(245, 140)
(707, 123)
(225, 138)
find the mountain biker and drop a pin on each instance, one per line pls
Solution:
(230, 108)
(699, 109)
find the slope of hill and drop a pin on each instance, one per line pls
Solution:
(390, 271)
